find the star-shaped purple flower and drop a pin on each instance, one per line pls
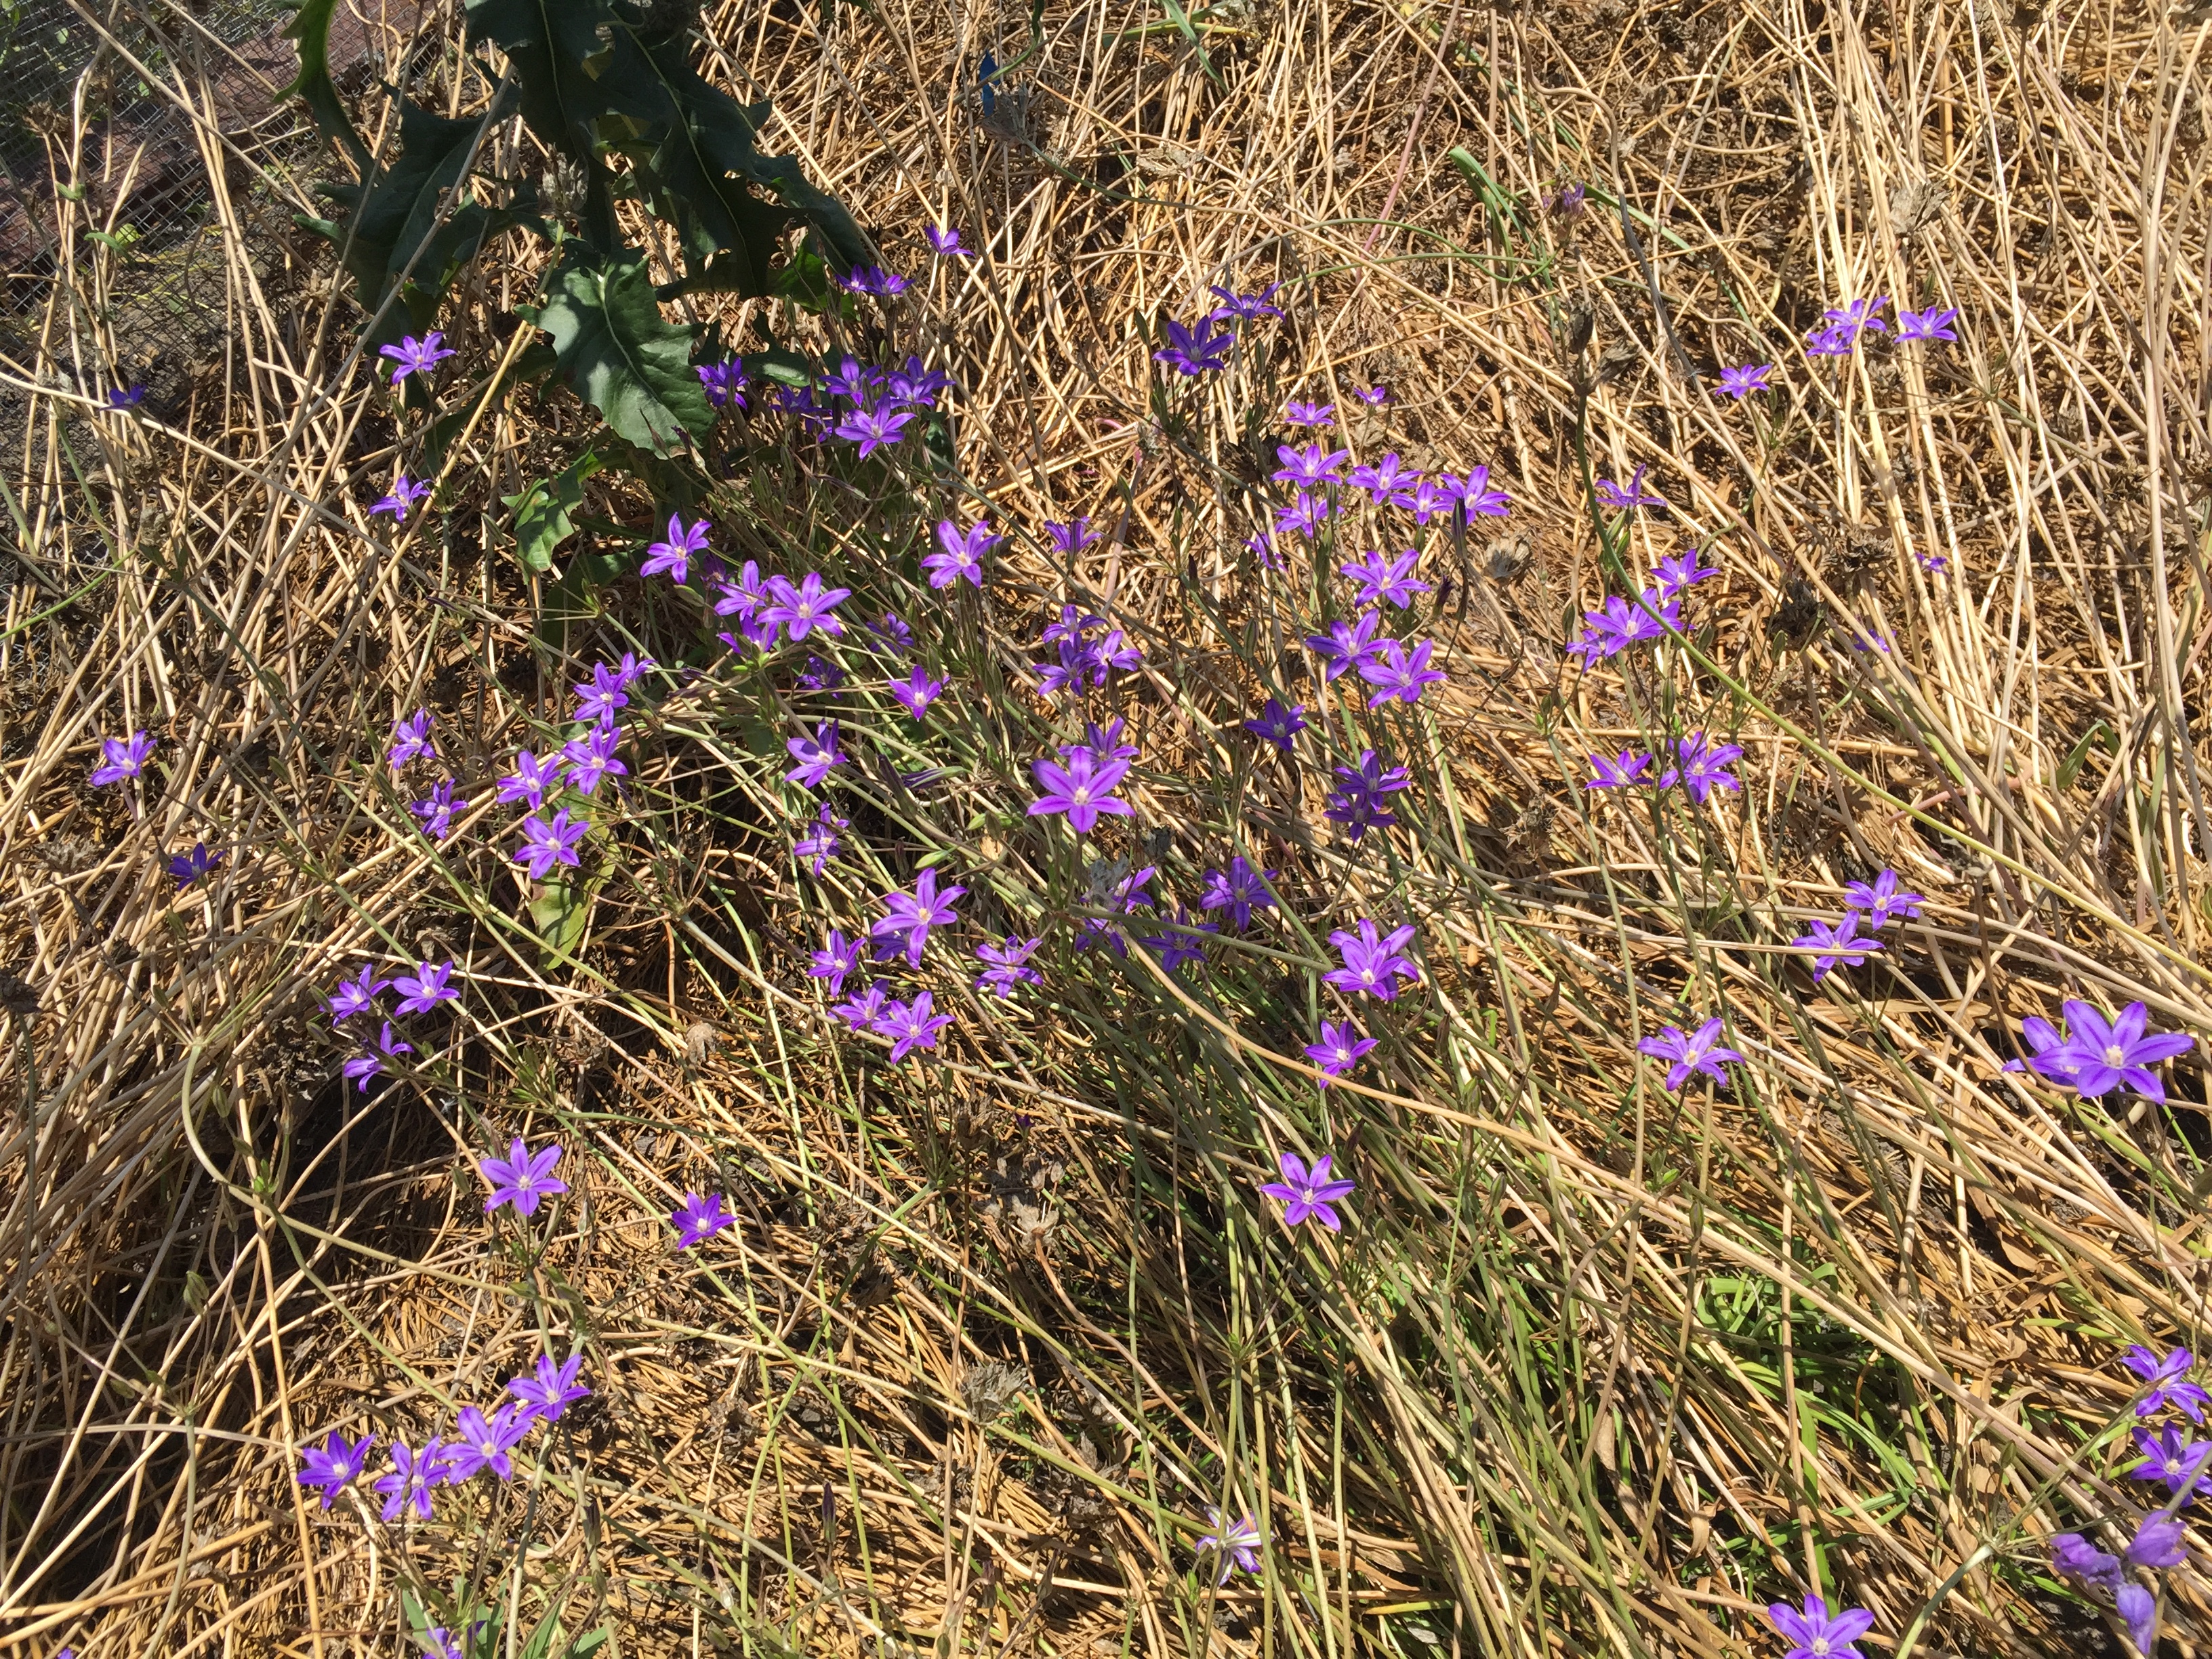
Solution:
(944, 242)
(1346, 644)
(874, 429)
(413, 1473)
(815, 754)
(425, 988)
(2108, 1054)
(917, 691)
(1308, 1195)
(405, 492)
(2172, 1456)
(1240, 890)
(1083, 789)
(1814, 1633)
(356, 996)
(907, 918)
(799, 610)
(370, 1063)
(121, 758)
(1831, 944)
(860, 1010)
(1688, 1056)
(591, 758)
(960, 553)
(1633, 497)
(483, 1442)
(1740, 382)
(1381, 579)
(1236, 1545)
(547, 1390)
(1933, 323)
(911, 1025)
(1197, 350)
(1339, 1049)
(414, 356)
(1297, 414)
(189, 867)
(1618, 774)
(544, 845)
(335, 1466)
(522, 1178)
(838, 957)
(1310, 467)
(1671, 577)
(2166, 1377)
(1244, 307)
(1373, 960)
(820, 843)
(1007, 965)
(1701, 767)
(532, 779)
(1395, 673)
(1357, 803)
(698, 1219)
(1881, 900)
(1278, 725)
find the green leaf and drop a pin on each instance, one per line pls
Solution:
(311, 27)
(541, 511)
(619, 353)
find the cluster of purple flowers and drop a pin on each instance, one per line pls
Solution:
(480, 1442)
(2095, 1055)
(1084, 664)
(902, 931)
(860, 403)
(1877, 903)
(1841, 327)
(1654, 613)
(421, 988)
(1700, 767)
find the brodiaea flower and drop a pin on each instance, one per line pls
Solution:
(591, 758)
(673, 556)
(410, 740)
(909, 1025)
(1857, 316)
(1196, 351)
(404, 494)
(819, 844)
(437, 810)
(1339, 1049)
(1933, 323)
(907, 918)
(1357, 803)
(548, 1390)
(1384, 479)
(1347, 645)
(1308, 468)
(917, 691)
(1617, 774)
(1240, 890)
(413, 1473)
(2172, 1456)
(1687, 1056)
(1372, 961)
(1245, 307)
(1475, 496)
(597, 698)
(1007, 965)
(1070, 538)
(356, 996)
(1084, 788)
(1633, 497)
(1177, 943)
(532, 779)
(699, 1220)
(961, 553)
(522, 1178)
(2166, 1388)
(1740, 383)
(544, 845)
(800, 610)
(1305, 1194)
(1702, 766)
(1298, 414)
(944, 242)
(121, 758)
(1277, 724)
(1673, 576)
(1381, 579)
(815, 754)
(1831, 945)
(189, 867)
(1238, 1544)
(1394, 674)
(835, 960)
(1881, 900)
(1374, 396)
(1814, 1634)
(860, 1010)
(425, 988)
(483, 1442)
(369, 1063)
(2070, 1552)
(2108, 1055)
(414, 356)
(874, 429)
(2050, 1054)
(872, 279)
(337, 1466)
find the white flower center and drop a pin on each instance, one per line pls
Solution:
(2116, 1055)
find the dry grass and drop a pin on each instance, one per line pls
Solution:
(1599, 1369)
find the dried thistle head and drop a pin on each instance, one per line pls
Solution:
(988, 1389)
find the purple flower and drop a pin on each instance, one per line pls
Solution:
(1740, 383)
(1008, 965)
(838, 957)
(1197, 350)
(2165, 1389)
(2170, 1455)
(800, 609)
(1374, 396)
(1566, 202)
(544, 845)
(725, 383)
(674, 555)
(743, 598)
(356, 996)
(121, 758)
(1238, 1544)
(522, 1178)
(1310, 467)
(337, 1466)
(1240, 890)
(820, 842)
(944, 242)
(815, 754)
(189, 867)
(961, 553)
(1675, 576)
(1305, 516)
(1855, 317)
(125, 396)
(874, 429)
(1832, 944)
(1073, 624)
(1357, 803)
(1102, 742)
(1394, 674)
(1083, 789)
(890, 635)
(2049, 1054)
(909, 1025)
(2107, 1055)
(1347, 645)
(413, 1473)
(1262, 547)
(425, 988)
(1384, 479)
(872, 279)
(1813, 1634)
(858, 1011)
(1339, 1049)
(1881, 900)
(1372, 961)
(908, 918)
(1834, 341)
(1429, 499)
(1070, 538)
(604, 693)
(1177, 943)
(368, 1065)
(1701, 767)
(591, 758)
(410, 740)
(547, 1390)
(917, 691)
(2138, 1610)
(1278, 725)
(414, 356)
(1934, 563)
(1617, 774)
(1474, 495)
(483, 1442)
(437, 810)
(1127, 897)
(532, 779)
(2072, 1554)
(1633, 497)
(2157, 1543)
(1689, 1056)
(404, 494)
(1245, 307)
(1304, 1194)
(1298, 414)
(1381, 579)
(698, 1219)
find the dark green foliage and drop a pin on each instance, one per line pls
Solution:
(619, 353)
